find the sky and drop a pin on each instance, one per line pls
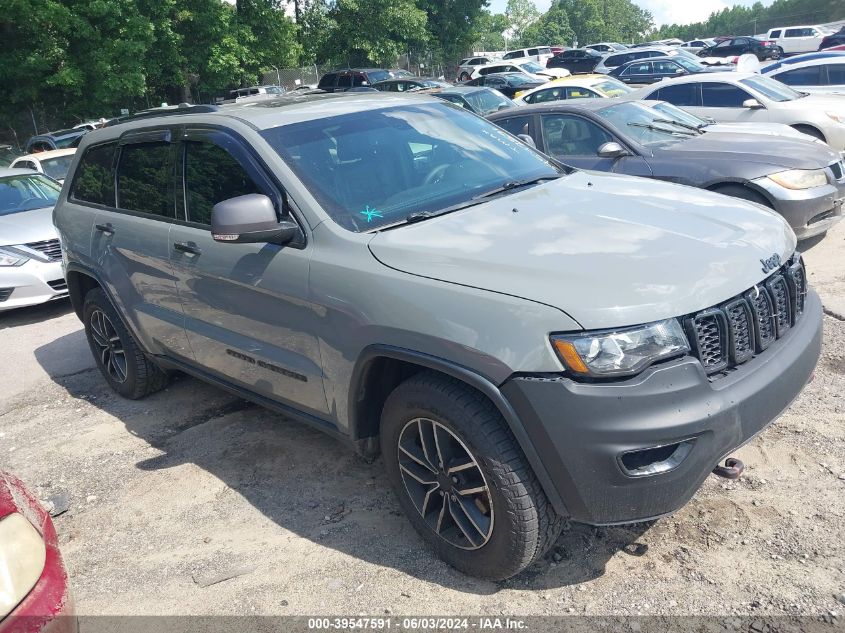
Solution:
(664, 11)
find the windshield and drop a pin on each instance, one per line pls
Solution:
(532, 67)
(612, 88)
(486, 102)
(516, 79)
(680, 52)
(57, 167)
(23, 193)
(689, 64)
(669, 111)
(374, 168)
(771, 88)
(643, 124)
(378, 75)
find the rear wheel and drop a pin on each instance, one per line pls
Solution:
(462, 479)
(463, 77)
(810, 131)
(124, 366)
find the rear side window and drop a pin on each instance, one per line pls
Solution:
(616, 60)
(94, 180)
(212, 175)
(809, 76)
(775, 34)
(145, 179)
(516, 125)
(679, 95)
(344, 81)
(327, 81)
(836, 74)
(719, 95)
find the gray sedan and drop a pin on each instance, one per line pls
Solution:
(30, 254)
(801, 180)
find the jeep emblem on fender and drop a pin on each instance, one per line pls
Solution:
(771, 263)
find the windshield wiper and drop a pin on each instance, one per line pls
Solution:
(650, 126)
(510, 185)
(694, 128)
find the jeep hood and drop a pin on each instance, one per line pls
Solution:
(608, 250)
(779, 153)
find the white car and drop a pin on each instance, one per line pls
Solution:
(749, 98)
(524, 66)
(54, 163)
(536, 53)
(797, 39)
(30, 253)
(575, 87)
(468, 64)
(817, 73)
(694, 46)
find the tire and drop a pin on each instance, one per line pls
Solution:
(743, 193)
(120, 360)
(514, 523)
(810, 131)
(463, 77)
(779, 53)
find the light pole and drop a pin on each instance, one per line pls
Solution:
(278, 75)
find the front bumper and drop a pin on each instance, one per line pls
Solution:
(580, 431)
(809, 211)
(30, 284)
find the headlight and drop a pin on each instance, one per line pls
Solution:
(22, 557)
(621, 352)
(800, 178)
(839, 117)
(10, 257)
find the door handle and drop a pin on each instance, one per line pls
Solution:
(108, 229)
(187, 247)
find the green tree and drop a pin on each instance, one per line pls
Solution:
(488, 31)
(606, 20)
(521, 14)
(551, 28)
(451, 25)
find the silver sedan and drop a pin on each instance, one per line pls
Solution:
(30, 254)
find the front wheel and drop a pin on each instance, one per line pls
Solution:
(124, 366)
(462, 479)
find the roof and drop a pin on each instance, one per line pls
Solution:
(459, 90)
(58, 133)
(269, 113)
(571, 104)
(53, 153)
(799, 59)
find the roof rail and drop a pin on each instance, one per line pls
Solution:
(182, 108)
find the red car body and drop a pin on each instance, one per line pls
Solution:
(47, 608)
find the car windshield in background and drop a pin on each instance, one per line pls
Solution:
(669, 111)
(486, 102)
(57, 167)
(531, 67)
(613, 88)
(643, 124)
(690, 65)
(379, 75)
(375, 168)
(24, 193)
(433, 83)
(518, 79)
(774, 90)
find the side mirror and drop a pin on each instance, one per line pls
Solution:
(250, 219)
(526, 138)
(613, 150)
(752, 104)
(680, 71)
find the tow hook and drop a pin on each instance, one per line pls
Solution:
(731, 470)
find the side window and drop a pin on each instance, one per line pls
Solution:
(145, 179)
(808, 32)
(809, 76)
(679, 94)
(723, 44)
(666, 68)
(614, 60)
(719, 95)
(533, 51)
(456, 100)
(25, 164)
(568, 135)
(836, 74)
(358, 79)
(496, 82)
(94, 180)
(793, 32)
(774, 34)
(344, 81)
(549, 94)
(639, 68)
(327, 81)
(516, 125)
(212, 175)
(580, 93)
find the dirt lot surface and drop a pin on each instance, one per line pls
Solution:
(195, 502)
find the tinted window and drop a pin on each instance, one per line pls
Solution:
(327, 81)
(666, 68)
(615, 60)
(516, 125)
(145, 179)
(359, 80)
(569, 135)
(718, 95)
(57, 167)
(809, 76)
(94, 181)
(549, 94)
(641, 68)
(836, 74)
(212, 175)
(372, 168)
(344, 81)
(794, 32)
(775, 34)
(533, 51)
(679, 94)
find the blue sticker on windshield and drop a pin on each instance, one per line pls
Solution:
(371, 213)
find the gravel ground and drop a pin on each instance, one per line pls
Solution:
(195, 502)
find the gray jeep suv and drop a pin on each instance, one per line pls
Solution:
(522, 342)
